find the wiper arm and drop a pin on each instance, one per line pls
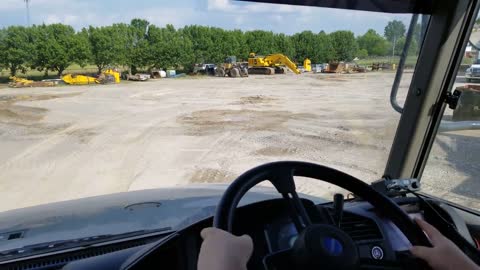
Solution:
(79, 242)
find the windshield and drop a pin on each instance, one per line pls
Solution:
(111, 98)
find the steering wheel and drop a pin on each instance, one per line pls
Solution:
(318, 246)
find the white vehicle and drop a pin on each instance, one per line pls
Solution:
(473, 72)
(203, 68)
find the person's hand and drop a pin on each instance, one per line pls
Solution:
(223, 251)
(444, 255)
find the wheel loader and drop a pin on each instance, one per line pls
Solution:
(270, 64)
(232, 68)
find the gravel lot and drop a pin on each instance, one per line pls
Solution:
(71, 142)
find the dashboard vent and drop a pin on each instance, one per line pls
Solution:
(58, 261)
(360, 228)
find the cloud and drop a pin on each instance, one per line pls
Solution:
(51, 19)
(178, 17)
(236, 7)
(220, 5)
(9, 5)
(239, 20)
(227, 14)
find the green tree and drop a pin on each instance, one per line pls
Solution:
(170, 48)
(345, 45)
(56, 47)
(261, 42)
(373, 43)
(305, 46)
(16, 48)
(285, 45)
(362, 53)
(325, 49)
(243, 50)
(224, 44)
(108, 45)
(317, 47)
(394, 31)
(412, 49)
(136, 44)
(83, 51)
(202, 42)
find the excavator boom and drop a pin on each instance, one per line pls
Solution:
(270, 64)
(280, 59)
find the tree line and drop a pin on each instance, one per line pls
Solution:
(144, 46)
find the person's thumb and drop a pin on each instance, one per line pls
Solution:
(246, 244)
(207, 232)
(424, 253)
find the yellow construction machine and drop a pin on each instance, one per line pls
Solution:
(307, 65)
(270, 64)
(79, 79)
(108, 76)
(17, 82)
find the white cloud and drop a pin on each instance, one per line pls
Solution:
(220, 5)
(230, 6)
(239, 20)
(227, 14)
(276, 18)
(274, 8)
(9, 5)
(51, 19)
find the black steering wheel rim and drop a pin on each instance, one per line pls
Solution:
(280, 173)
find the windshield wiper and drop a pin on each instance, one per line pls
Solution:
(79, 242)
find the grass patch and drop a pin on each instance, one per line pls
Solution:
(410, 61)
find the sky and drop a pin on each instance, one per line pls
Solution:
(226, 14)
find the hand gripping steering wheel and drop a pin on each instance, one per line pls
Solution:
(318, 246)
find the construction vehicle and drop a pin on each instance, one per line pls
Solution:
(22, 82)
(79, 79)
(232, 68)
(108, 76)
(111, 75)
(141, 77)
(335, 67)
(307, 65)
(270, 64)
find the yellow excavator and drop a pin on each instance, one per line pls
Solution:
(270, 64)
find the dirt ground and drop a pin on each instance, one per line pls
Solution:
(70, 142)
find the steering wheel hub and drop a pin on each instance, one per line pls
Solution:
(325, 247)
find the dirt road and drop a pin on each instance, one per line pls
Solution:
(71, 142)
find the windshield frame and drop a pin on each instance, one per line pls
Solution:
(446, 38)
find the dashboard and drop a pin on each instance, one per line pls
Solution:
(272, 231)
(377, 239)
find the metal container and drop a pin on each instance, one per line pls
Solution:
(171, 73)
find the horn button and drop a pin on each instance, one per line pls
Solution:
(325, 247)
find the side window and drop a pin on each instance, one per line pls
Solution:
(453, 169)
